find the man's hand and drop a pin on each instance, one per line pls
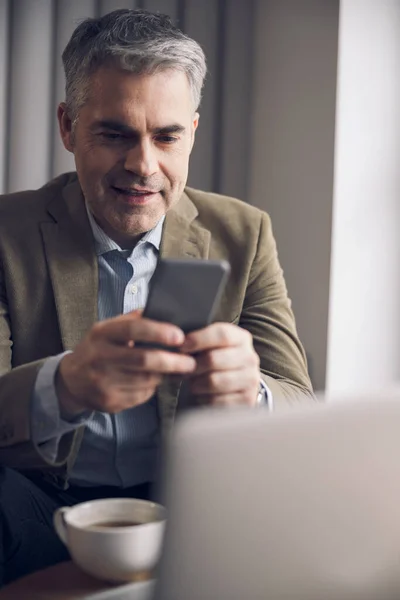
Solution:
(108, 373)
(227, 371)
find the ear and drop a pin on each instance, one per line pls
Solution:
(65, 126)
(195, 125)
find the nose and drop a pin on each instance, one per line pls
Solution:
(141, 159)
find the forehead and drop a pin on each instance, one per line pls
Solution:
(119, 94)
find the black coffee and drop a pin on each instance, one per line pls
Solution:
(113, 524)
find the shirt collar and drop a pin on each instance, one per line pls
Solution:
(103, 243)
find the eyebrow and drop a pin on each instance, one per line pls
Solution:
(118, 126)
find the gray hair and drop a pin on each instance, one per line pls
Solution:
(134, 40)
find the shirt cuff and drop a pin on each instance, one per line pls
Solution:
(47, 426)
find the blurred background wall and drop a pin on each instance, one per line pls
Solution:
(292, 161)
(300, 116)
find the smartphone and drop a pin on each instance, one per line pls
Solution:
(186, 292)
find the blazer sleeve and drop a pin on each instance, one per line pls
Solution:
(17, 449)
(268, 316)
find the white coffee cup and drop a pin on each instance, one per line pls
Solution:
(113, 553)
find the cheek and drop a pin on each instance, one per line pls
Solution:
(175, 165)
(96, 161)
(175, 174)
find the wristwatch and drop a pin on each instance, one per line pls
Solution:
(264, 396)
(260, 396)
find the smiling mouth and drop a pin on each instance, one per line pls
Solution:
(134, 192)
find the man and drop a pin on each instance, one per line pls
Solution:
(82, 408)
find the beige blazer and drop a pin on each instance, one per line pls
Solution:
(48, 299)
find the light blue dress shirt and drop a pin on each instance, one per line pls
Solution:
(122, 449)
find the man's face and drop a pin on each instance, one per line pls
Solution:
(132, 143)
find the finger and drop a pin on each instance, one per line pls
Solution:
(161, 361)
(131, 327)
(113, 390)
(226, 359)
(226, 400)
(217, 335)
(225, 382)
(135, 313)
(108, 378)
(137, 360)
(133, 381)
(122, 398)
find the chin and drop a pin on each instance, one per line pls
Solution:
(137, 225)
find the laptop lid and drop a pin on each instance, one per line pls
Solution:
(299, 506)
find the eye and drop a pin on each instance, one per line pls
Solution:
(167, 139)
(111, 136)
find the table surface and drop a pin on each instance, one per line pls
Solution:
(60, 582)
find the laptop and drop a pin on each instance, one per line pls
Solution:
(298, 506)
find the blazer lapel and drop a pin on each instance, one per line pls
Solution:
(182, 238)
(72, 264)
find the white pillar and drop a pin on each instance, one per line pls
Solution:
(364, 320)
